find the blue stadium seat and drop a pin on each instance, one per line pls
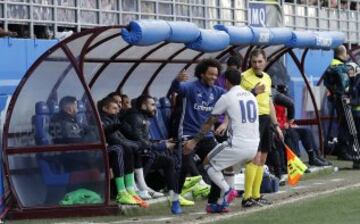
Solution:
(165, 109)
(158, 129)
(53, 108)
(41, 121)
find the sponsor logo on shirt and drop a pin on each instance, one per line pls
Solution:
(204, 106)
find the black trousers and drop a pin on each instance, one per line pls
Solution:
(161, 161)
(200, 152)
(121, 160)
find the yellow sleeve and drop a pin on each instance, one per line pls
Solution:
(246, 84)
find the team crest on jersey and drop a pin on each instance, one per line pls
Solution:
(211, 97)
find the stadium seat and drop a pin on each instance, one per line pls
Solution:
(53, 108)
(158, 129)
(41, 121)
(165, 109)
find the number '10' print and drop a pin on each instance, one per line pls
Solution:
(248, 111)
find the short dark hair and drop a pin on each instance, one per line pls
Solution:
(204, 64)
(66, 100)
(142, 99)
(112, 94)
(256, 52)
(106, 102)
(234, 61)
(124, 96)
(233, 76)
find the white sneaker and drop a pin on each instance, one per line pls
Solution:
(144, 195)
(155, 194)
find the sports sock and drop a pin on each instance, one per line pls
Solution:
(218, 178)
(120, 184)
(173, 196)
(129, 183)
(250, 172)
(140, 180)
(229, 178)
(258, 181)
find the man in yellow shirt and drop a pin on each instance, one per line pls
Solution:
(259, 83)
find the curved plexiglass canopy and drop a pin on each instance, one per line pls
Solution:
(89, 65)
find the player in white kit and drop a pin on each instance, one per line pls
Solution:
(240, 106)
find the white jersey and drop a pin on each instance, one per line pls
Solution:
(242, 110)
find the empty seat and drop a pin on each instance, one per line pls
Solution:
(158, 129)
(165, 109)
(41, 121)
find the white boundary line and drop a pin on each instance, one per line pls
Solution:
(277, 204)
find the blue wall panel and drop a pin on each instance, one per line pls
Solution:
(17, 55)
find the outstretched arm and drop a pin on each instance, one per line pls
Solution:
(205, 128)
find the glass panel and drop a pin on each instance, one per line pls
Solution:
(199, 23)
(54, 174)
(107, 49)
(35, 115)
(226, 4)
(199, 2)
(66, 15)
(182, 10)
(212, 3)
(88, 4)
(42, 13)
(184, 1)
(130, 5)
(182, 19)
(18, 11)
(109, 18)
(148, 17)
(166, 51)
(109, 4)
(136, 52)
(110, 79)
(166, 9)
(300, 11)
(240, 15)
(76, 45)
(289, 20)
(126, 18)
(138, 79)
(311, 12)
(89, 17)
(187, 55)
(240, 4)
(323, 24)
(90, 69)
(70, 3)
(1, 11)
(227, 14)
(312, 23)
(43, 2)
(167, 18)
(148, 7)
(198, 11)
(213, 13)
(161, 84)
(25, 1)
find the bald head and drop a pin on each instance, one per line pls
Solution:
(341, 53)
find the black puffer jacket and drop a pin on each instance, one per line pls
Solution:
(139, 131)
(113, 131)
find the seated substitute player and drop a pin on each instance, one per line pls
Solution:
(241, 108)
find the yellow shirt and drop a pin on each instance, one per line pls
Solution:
(249, 81)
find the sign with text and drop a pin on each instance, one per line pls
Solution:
(264, 14)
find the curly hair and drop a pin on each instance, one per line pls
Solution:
(203, 66)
